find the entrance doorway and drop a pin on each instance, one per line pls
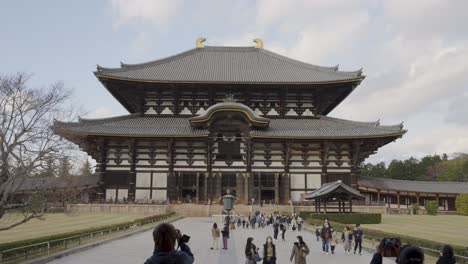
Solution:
(268, 196)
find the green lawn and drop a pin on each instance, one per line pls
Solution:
(450, 229)
(58, 223)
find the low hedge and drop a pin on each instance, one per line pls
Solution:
(379, 235)
(432, 207)
(124, 225)
(345, 218)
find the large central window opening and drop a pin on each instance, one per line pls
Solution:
(229, 147)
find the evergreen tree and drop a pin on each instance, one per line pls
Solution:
(86, 169)
(64, 169)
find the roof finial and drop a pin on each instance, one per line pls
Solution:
(259, 42)
(229, 98)
(199, 41)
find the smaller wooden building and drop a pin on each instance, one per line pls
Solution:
(401, 194)
(336, 194)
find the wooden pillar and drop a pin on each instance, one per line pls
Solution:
(325, 205)
(132, 179)
(240, 187)
(246, 177)
(101, 169)
(350, 205)
(398, 199)
(276, 188)
(417, 199)
(217, 180)
(388, 200)
(205, 190)
(378, 196)
(197, 184)
(339, 206)
(437, 199)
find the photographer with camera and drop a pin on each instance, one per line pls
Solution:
(165, 236)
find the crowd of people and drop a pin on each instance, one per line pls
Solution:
(166, 238)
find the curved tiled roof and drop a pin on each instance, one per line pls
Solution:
(329, 188)
(229, 65)
(227, 106)
(413, 186)
(153, 126)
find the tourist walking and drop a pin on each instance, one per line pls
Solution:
(275, 230)
(294, 224)
(299, 252)
(333, 240)
(347, 237)
(225, 233)
(269, 251)
(326, 236)
(299, 223)
(215, 234)
(317, 234)
(283, 230)
(243, 223)
(251, 252)
(447, 256)
(165, 237)
(357, 233)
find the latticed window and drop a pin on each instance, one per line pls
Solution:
(229, 180)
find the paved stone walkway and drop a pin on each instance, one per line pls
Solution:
(137, 248)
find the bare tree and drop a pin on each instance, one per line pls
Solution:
(27, 142)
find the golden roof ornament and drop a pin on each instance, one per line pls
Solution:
(259, 42)
(199, 41)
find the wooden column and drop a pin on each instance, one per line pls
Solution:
(197, 184)
(132, 179)
(437, 199)
(101, 169)
(324, 161)
(378, 196)
(398, 199)
(350, 205)
(325, 205)
(246, 177)
(205, 190)
(240, 187)
(217, 180)
(276, 188)
(417, 199)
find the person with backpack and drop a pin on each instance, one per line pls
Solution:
(225, 233)
(299, 252)
(357, 233)
(317, 234)
(347, 238)
(215, 234)
(326, 236)
(251, 252)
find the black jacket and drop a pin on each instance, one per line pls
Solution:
(173, 257)
(446, 260)
(376, 259)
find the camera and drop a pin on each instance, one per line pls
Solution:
(184, 239)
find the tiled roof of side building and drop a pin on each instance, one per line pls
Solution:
(152, 126)
(229, 65)
(413, 186)
(329, 188)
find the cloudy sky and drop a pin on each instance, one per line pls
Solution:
(414, 53)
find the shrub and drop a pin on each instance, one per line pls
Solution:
(432, 207)
(461, 203)
(345, 218)
(415, 208)
(379, 235)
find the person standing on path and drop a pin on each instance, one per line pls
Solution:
(333, 240)
(250, 251)
(299, 223)
(294, 224)
(447, 256)
(269, 251)
(299, 252)
(377, 258)
(326, 237)
(317, 234)
(283, 230)
(347, 237)
(215, 234)
(225, 233)
(276, 229)
(357, 233)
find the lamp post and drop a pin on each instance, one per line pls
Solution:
(228, 202)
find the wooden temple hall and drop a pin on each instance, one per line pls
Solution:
(216, 118)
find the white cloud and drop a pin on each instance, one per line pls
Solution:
(158, 13)
(100, 112)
